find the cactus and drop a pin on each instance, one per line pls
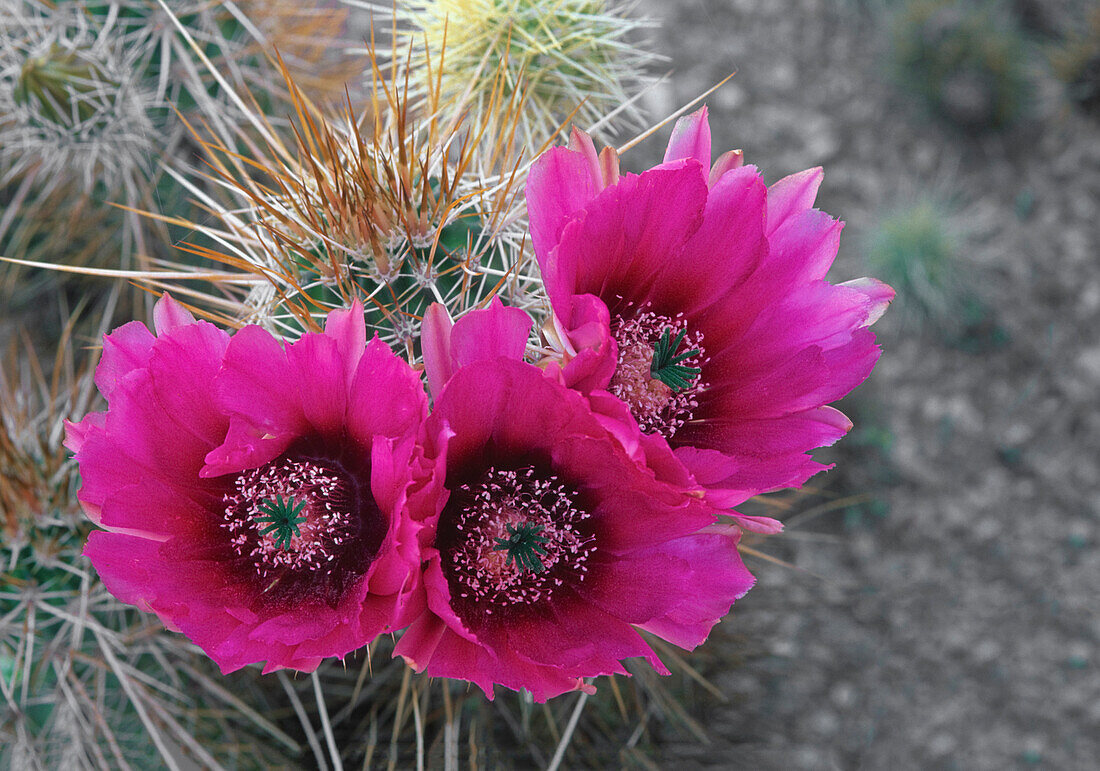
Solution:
(375, 205)
(573, 60)
(86, 682)
(88, 97)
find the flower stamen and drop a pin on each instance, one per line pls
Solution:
(291, 514)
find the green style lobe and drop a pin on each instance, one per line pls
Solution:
(524, 545)
(667, 366)
(284, 518)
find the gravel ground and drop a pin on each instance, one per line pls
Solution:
(957, 627)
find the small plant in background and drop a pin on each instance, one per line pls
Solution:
(578, 61)
(918, 247)
(1076, 62)
(965, 60)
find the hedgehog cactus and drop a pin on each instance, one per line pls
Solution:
(72, 109)
(574, 60)
(396, 211)
(84, 681)
(88, 97)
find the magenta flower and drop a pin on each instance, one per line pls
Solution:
(265, 501)
(554, 546)
(697, 296)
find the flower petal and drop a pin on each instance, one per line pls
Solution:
(791, 195)
(127, 348)
(495, 331)
(349, 329)
(435, 346)
(728, 246)
(691, 139)
(712, 565)
(387, 397)
(169, 314)
(257, 384)
(559, 184)
(626, 237)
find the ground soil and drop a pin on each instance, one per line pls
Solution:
(953, 622)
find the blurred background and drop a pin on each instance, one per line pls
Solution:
(934, 601)
(943, 610)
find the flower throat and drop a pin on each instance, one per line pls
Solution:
(518, 535)
(658, 370)
(290, 514)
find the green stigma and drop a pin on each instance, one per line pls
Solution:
(283, 517)
(524, 545)
(667, 365)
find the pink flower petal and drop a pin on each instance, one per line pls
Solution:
(257, 384)
(691, 139)
(728, 246)
(791, 195)
(349, 329)
(580, 142)
(435, 345)
(713, 564)
(627, 236)
(879, 295)
(591, 363)
(169, 314)
(316, 362)
(727, 161)
(124, 350)
(495, 331)
(559, 185)
(387, 397)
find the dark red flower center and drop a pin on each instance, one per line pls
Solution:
(294, 514)
(512, 537)
(658, 370)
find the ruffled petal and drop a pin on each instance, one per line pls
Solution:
(124, 350)
(626, 237)
(435, 346)
(878, 294)
(711, 564)
(728, 247)
(349, 329)
(486, 334)
(257, 384)
(387, 397)
(317, 362)
(727, 161)
(593, 353)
